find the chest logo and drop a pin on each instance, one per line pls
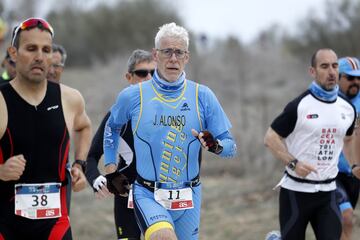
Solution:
(185, 107)
(53, 107)
(312, 116)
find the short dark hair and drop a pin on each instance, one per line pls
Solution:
(138, 56)
(59, 48)
(16, 41)
(313, 57)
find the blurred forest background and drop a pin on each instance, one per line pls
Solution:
(253, 81)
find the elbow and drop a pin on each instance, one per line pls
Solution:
(266, 141)
(269, 137)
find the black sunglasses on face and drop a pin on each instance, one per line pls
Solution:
(143, 72)
(351, 78)
(11, 62)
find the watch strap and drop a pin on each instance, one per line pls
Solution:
(82, 163)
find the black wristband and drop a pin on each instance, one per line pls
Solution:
(82, 163)
(219, 148)
(354, 166)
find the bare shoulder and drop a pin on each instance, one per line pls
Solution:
(3, 115)
(71, 97)
(69, 92)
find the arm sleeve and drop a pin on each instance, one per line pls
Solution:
(228, 144)
(120, 113)
(215, 118)
(216, 121)
(95, 152)
(285, 123)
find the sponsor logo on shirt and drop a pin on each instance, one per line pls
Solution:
(312, 116)
(52, 107)
(185, 107)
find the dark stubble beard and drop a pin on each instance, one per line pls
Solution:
(348, 92)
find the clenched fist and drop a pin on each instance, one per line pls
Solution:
(13, 168)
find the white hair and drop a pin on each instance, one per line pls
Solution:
(172, 30)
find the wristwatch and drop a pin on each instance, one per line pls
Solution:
(292, 164)
(82, 163)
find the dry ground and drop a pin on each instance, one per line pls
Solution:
(235, 205)
(233, 208)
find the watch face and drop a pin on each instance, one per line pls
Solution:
(292, 164)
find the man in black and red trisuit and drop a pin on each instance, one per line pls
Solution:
(37, 118)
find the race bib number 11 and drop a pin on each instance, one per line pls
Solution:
(174, 199)
(38, 201)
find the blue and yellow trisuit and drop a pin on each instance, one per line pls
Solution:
(162, 115)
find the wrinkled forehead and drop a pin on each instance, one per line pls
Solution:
(173, 42)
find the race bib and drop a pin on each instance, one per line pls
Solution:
(174, 199)
(38, 201)
(130, 198)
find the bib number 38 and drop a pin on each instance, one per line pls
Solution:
(38, 201)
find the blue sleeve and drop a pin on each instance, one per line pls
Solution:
(216, 121)
(215, 118)
(120, 114)
(228, 144)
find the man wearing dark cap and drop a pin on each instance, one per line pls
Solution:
(348, 185)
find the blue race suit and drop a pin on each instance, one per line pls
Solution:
(163, 115)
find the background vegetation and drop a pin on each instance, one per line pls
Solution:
(253, 82)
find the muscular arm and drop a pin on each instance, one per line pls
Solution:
(355, 150)
(82, 130)
(79, 126)
(275, 143)
(277, 147)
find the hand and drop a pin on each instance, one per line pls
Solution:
(101, 191)
(118, 183)
(303, 169)
(78, 179)
(13, 168)
(208, 141)
(110, 168)
(356, 172)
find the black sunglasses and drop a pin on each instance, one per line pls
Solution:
(143, 72)
(351, 78)
(11, 62)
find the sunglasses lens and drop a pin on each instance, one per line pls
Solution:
(31, 23)
(143, 73)
(12, 63)
(350, 78)
(34, 22)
